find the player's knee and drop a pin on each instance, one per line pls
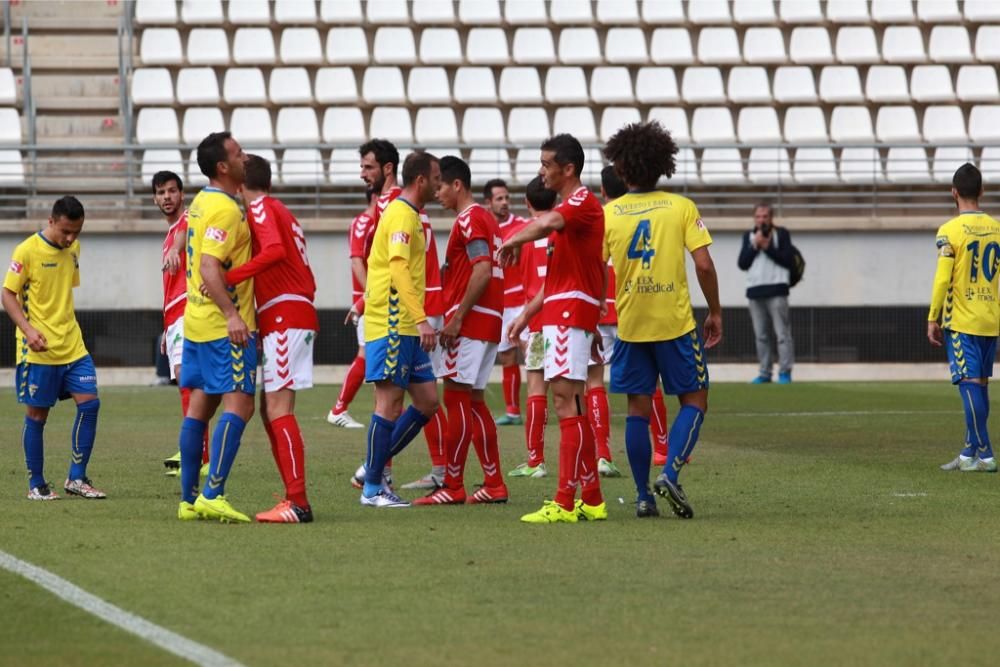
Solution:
(93, 406)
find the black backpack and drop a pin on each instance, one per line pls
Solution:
(798, 268)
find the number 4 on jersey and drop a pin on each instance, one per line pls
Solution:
(640, 248)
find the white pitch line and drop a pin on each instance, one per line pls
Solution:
(839, 413)
(169, 641)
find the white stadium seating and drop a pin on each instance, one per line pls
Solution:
(392, 123)
(861, 165)
(153, 125)
(810, 46)
(289, 85)
(897, 124)
(849, 124)
(253, 46)
(944, 124)
(302, 166)
(248, 12)
(346, 46)
(479, 12)
(202, 12)
(10, 128)
(703, 85)
(383, 85)
(570, 12)
(722, 166)
(949, 44)
(611, 85)
(244, 85)
(343, 125)
(805, 125)
(671, 46)
(527, 125)
(566, 85)
(800, 11)
(433, 12)
(758, 125)
(156, 12)
(718, 46)
(440, 46)
(200, 121)
(984, 123)
(161, 46)
(626, 46)
(436, 125)
(988, 44)
(981, 11)
(903, 44)
(947, 159)
(814, 166)
(8, 87)
(977, 83)
(931, 83)
(579, 46)
(768, 166)
(709, 12)
(794, 85)
(615, 118)
(856, 45)
(152, 162)
(394, 46)
(197, 85)
(150, 86)
(429, 85)
(520, 85)
(887, 83)
(295, 11)
(907, 164)
(210, 46)
(840, 84)
(764, 46)
(578, 121)
(656, 85)
(659, 12)
(748, 85)
(388, 11)
(336, 85)
(892, 11)
(617, 12)
(533, 46)
(754, 11)
(712, 125)
(252, 125)
(847, 11)
(525, 12)
(483, 125)
(487, 46)
(938, 11)
(673, 119)
(301, 46)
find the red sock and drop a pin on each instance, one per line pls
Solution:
(534, 429)
(434, 433)
(590, 481)
(512, 389)
(355, 378)
(185, 402)
(658, 423)
(484, 437)
(598, 415)
(571, 436)
(290, 455)
(459, 406)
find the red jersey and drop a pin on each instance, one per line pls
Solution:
(175, 284)
(612, 315)
(534, 262)
(361, 233)
(485, 320)
(574, 280)
(283, 285)
(513, 289)
(381, 203)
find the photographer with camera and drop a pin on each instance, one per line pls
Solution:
(768, 257)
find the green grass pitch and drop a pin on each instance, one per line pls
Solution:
(824, 534)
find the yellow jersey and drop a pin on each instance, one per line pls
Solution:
(645, 234)
(43, 276)
(216, 227)
(965, 284)
(399, 235)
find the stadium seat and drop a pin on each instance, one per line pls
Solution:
(814, 166)
(712, 125)
(660, 12)
(433, 12)
(805, 125)
(947, 159)
(758, 125)
(194, 176)
(440, 46)
(489, 163)
(251, 125)
(526, 164)
(479, 12)
(252, 46)
(907, 164)
(887, 83)
(984, 123)
(988, 44)
(393, 12)
(341, 12)
(570, 12)
(301, 12)
(525, 12)
(977, 83)
(487, 46)
(903, 44)
(336, 85)
(150, 86)
(767, 166)
(686, 169)
(611, 85)
(527, 125)
(301, 46)
(346, 46)
(675, 120)
(244, 85)
(152, 162)
(156, 12)
(892, 11)
(435, 125)
(810, 46)
(200, 122)
(579, 46)
(578, 121)
(722, 166)
(394, 46)
(703, 85)
(160, 46)
(483, 125)
(800, 11)
(617, 12)
(949, 44)
(208, 46)
(748, 85)
(847, 11)
(248, 12)
(615, 118)
(840, 84)
(764, 46)
(197, 85)
(392, 123)
(153, 125)
(201, 12)
(861, 164)
(383, 85)
(626, 46)
(592, 165)
(343, 125)
(856, 45)
(8, 87)
(707, 12)
(566, 85)
(10, 128)
(429, 85)
(344, 167)
(938, 11)
(656, 85)
(302, 166)
(944, 125)
(718, 46)
(671, 46)
(989, 164)
(754, 12)
(290, 85)
(981, 11)
(533, 46)
(897, 124)
(794, 85)
(851, 125)
(931, 83)
(520, 85)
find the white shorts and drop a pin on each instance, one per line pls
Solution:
(567, 352)
(175, 345)
(360, 326)
(288, 360)
(469, 362)
(534, 357)
(609, 334)
(436, 321)
(509, 315)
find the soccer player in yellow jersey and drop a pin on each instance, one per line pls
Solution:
(646, 233)
(219, 361)
(52, 361)
(965, 312)
(398, 337)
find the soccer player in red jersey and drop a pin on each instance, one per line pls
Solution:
(473, 292)
(284, 289)
(497, 198)
(570, 304)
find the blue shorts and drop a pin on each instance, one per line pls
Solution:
(969, 356)
(398, 359)
(219, 367)
(41, 385)
(680, 363)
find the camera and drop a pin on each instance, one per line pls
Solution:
(764, 229)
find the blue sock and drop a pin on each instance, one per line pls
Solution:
(379, 444)
(408, 426)
(192, 437)
(34, 454)
(974, 400)
(82, 438)
(225, 444)
(683, 438)
(639, 450)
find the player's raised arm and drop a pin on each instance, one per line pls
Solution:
(539, 228)
(709, 282)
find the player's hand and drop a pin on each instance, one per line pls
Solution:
(163, 343)
(515, 328)
(352, 315)
(934, 334)
(36, 341)
(597, 349)
(712, 330)
(204, 290)
(428, 336)
(449, 335)
(239, 332)
(604, 308)
(509, 254)
(172, 261)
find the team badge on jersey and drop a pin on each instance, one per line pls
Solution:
(216, 234)
(16, 267)
(944, 247)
